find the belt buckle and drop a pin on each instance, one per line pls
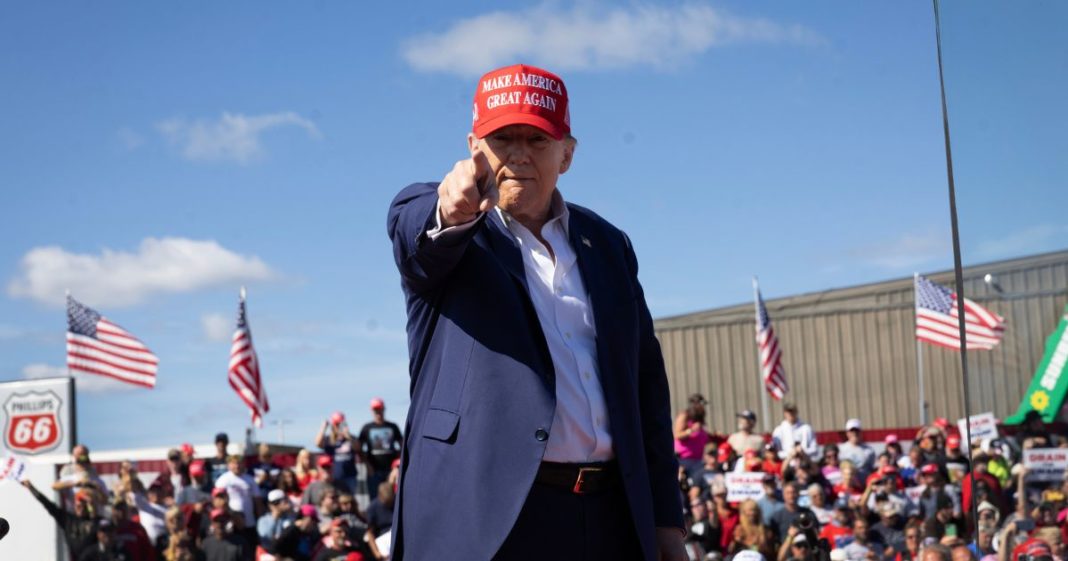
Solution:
(577, 489)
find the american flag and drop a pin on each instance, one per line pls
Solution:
(937, 319)
(770, 352)
(244, 373)
(97, 346)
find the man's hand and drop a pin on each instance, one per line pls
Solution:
(470, 188)
(669, 545)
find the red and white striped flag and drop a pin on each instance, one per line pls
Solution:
(770, 353)
(244, 373)
(97, 346)
(937, 319)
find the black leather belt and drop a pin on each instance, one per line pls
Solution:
(580, 478)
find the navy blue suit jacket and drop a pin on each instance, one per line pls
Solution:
(483, 386)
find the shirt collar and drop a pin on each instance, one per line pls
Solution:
(557, 211)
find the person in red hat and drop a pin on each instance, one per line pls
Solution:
(380, 443)
(337, 442)
(540, 419)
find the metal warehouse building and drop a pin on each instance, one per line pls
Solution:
(850, 352)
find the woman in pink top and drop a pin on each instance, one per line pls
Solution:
(691, 437)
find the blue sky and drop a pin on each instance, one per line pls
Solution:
(158, 156)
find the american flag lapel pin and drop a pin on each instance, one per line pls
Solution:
(586, 241)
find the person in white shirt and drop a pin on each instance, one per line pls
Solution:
(241, 488)
(793, 433)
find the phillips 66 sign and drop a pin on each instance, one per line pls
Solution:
(37, 416)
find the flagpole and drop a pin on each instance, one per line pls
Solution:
(958, 271)
(919, 356)
(760, 371)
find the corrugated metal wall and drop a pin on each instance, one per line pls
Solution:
(851, 353)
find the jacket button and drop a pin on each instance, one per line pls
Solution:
(541, 435)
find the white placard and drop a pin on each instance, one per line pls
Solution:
(984, 425)
(12, 469)
(745, 485)
(1045, 464)
(383, 542)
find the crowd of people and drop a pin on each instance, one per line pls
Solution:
(231, 507)
(934, 497)
(844, 501)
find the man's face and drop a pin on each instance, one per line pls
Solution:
(912, 539)
(853, 435)
(790, 416)
(328, 504)
(860, 528)
(338, 533)
(789, 495)
(744, 424)
(234, 466)
(80, 454)
(220, 447)
(526, 162)
(378, 413)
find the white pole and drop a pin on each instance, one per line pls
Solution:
(760, 370)
(919, 353)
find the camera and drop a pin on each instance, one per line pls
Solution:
(808, 525)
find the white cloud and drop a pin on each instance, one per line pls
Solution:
(119, 278)
(234, 137)
(217, 327)
(1033, 239)
(83, 382)
(910, 250)
(586, 37)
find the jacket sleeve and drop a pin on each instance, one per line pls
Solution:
(655, 404)
(57, 513)
(423, 262)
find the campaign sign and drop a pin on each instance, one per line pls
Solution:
(36, 416)
(12, 469)
(982, 426)
(1045, 464)
(745, 485)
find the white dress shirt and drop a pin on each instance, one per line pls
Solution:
(580, 430)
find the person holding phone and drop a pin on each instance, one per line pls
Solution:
(335, 440)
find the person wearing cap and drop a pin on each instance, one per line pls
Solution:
(380, 443)
(104, 547)
(78, 525)
(299, 539)
(957, 464)
(855, 450)
(784, 518)
(129, 534)
(890, 529)
(935, 486)
(336, 442)
(337, 544)
(216, 465)
(313, 493)
(538, 388)
(173, 478)
(865, 542)
(194, 492)
(222, 542)
(278, 517)
(794, 435)
(744, 438)
(979, 481)
(800, 548)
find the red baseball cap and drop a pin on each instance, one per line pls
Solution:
(942, 423)
(187, 448)
(377, 403)
(521, 95)
(929, 469)
(953, 441)
(218, 491)
(890, 438)
(337, 417)
(324, 461)
(196, 468)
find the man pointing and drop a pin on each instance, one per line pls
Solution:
(540, 424)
